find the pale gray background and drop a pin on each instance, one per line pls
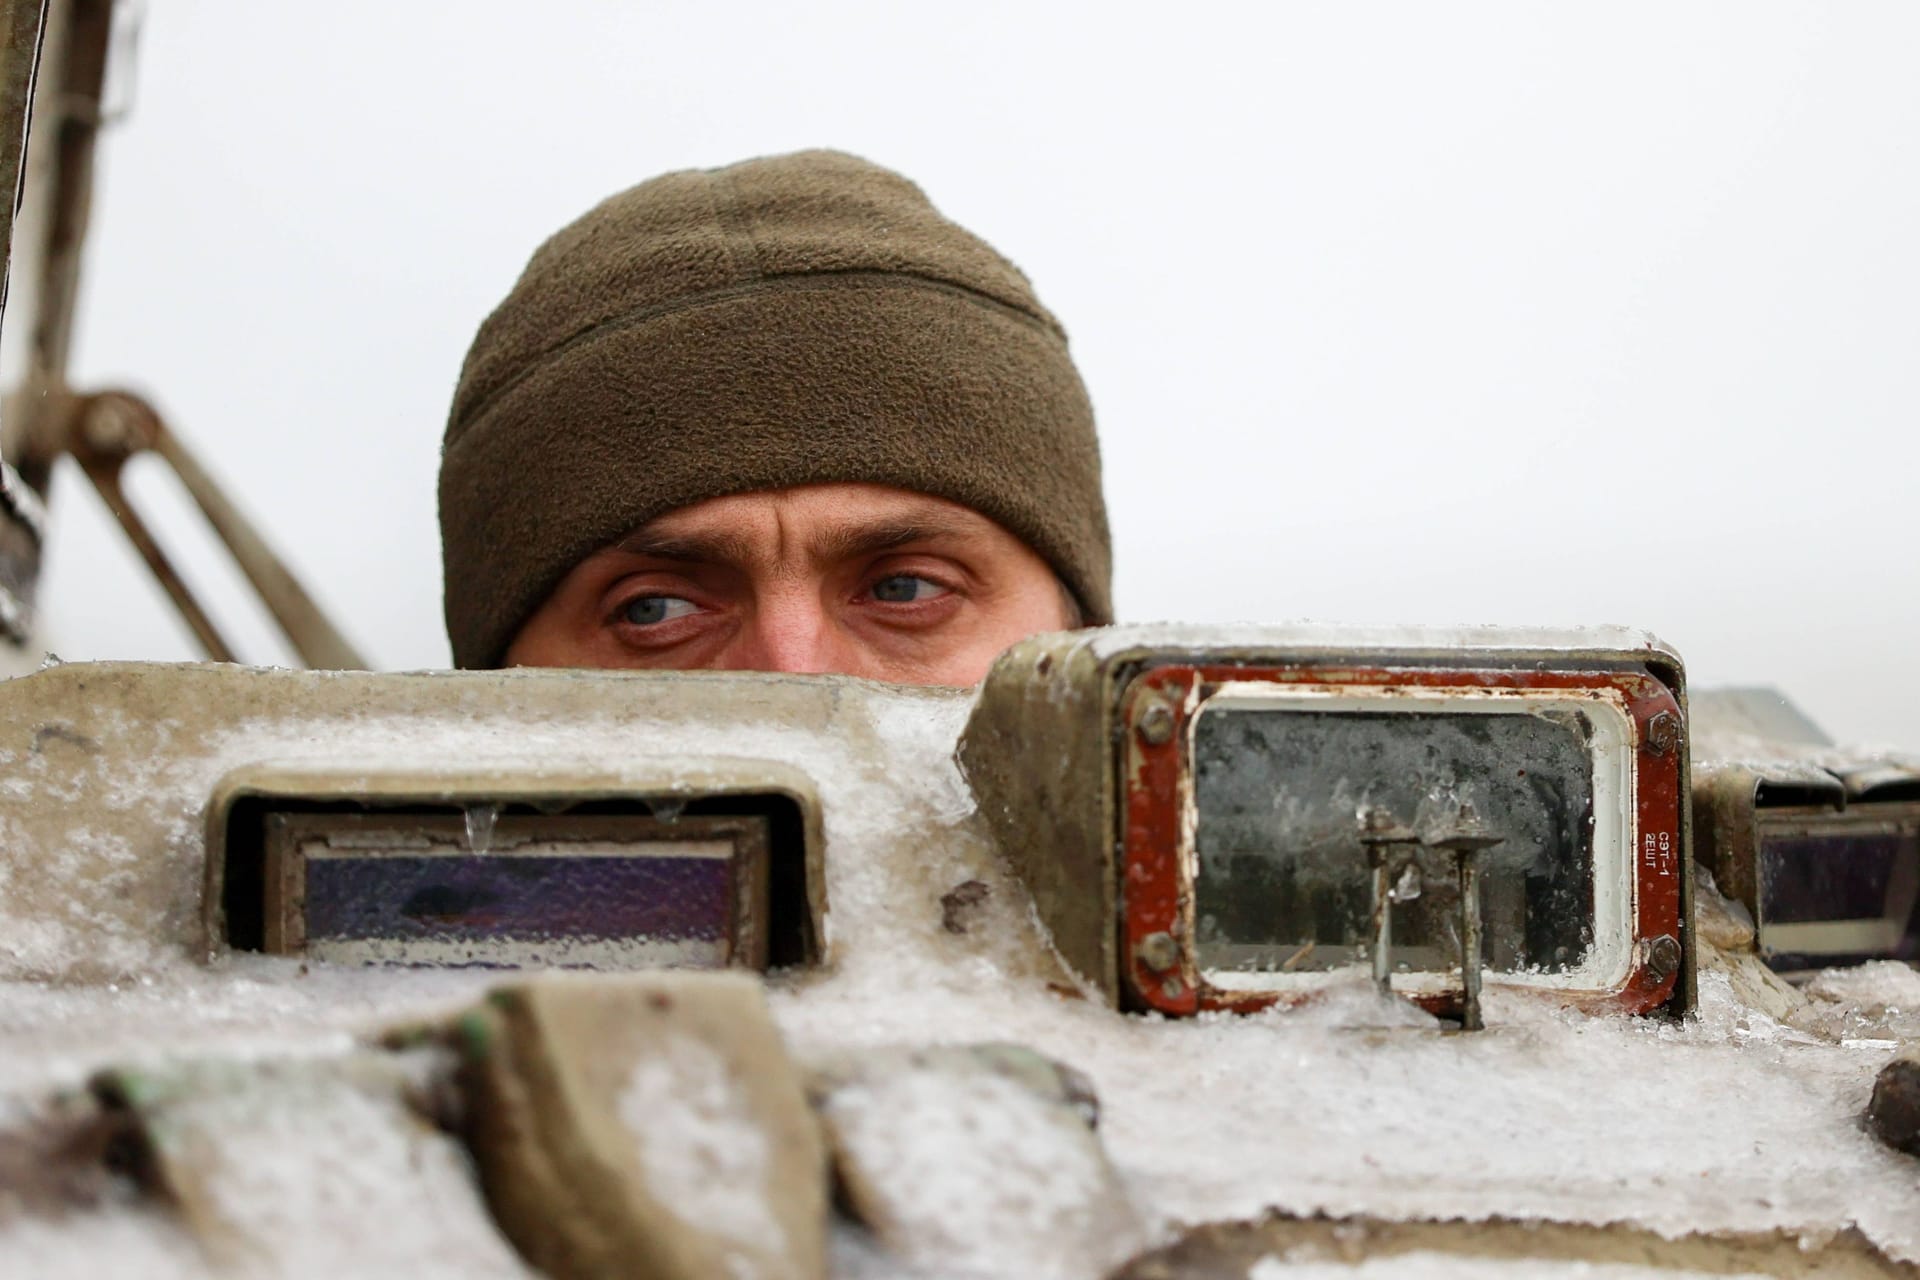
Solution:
(1501, 313)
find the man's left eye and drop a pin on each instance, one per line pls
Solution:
(905, 588)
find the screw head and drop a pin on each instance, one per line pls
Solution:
(1156, 724)
(1158, 952)
(1663, 732)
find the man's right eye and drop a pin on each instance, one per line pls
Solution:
(649, 611)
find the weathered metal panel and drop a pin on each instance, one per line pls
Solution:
(1056, 713)
(119, 776)
(1037, 755)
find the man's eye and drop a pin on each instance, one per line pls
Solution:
(648, 611)
(905, 588)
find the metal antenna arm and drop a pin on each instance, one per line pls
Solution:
(108, 429)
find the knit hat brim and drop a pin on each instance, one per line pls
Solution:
(875, 377)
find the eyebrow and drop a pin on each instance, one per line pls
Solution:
(839, 542)
(692, 548)
(848, 541)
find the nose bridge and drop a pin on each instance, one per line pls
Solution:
(790, 629)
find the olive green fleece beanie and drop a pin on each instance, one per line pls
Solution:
(800, 319)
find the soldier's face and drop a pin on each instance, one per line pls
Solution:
(852, 578)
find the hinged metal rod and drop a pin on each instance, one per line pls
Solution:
(1466, 838)
(1380, 833)
(1382, 921)
(108, 429)
(1468, 864)
(105, 475)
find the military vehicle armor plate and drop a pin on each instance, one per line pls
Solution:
(1349, 1106)
(272, 943)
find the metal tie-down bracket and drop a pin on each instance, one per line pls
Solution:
(1393, 852)
(1465, 839)
(1392, 849)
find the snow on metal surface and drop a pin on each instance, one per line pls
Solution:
(980, 1175)
(305, 1175)
(248, 1007)
(1110, 641)
(703, 1155)
(1427, 1264)
(114, 1240)
(1732, 1121)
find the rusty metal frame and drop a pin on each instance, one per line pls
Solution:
(1157, 832)
(286, 862)
(1045, 750)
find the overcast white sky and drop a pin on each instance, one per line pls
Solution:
(1418, 312)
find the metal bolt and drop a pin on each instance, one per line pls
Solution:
(109, 430)
(1380, 831)
(1156, 725)
(1467, 866)
(1465, 839)
(1158, 951)
(1663, 731)
(1663, 957)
